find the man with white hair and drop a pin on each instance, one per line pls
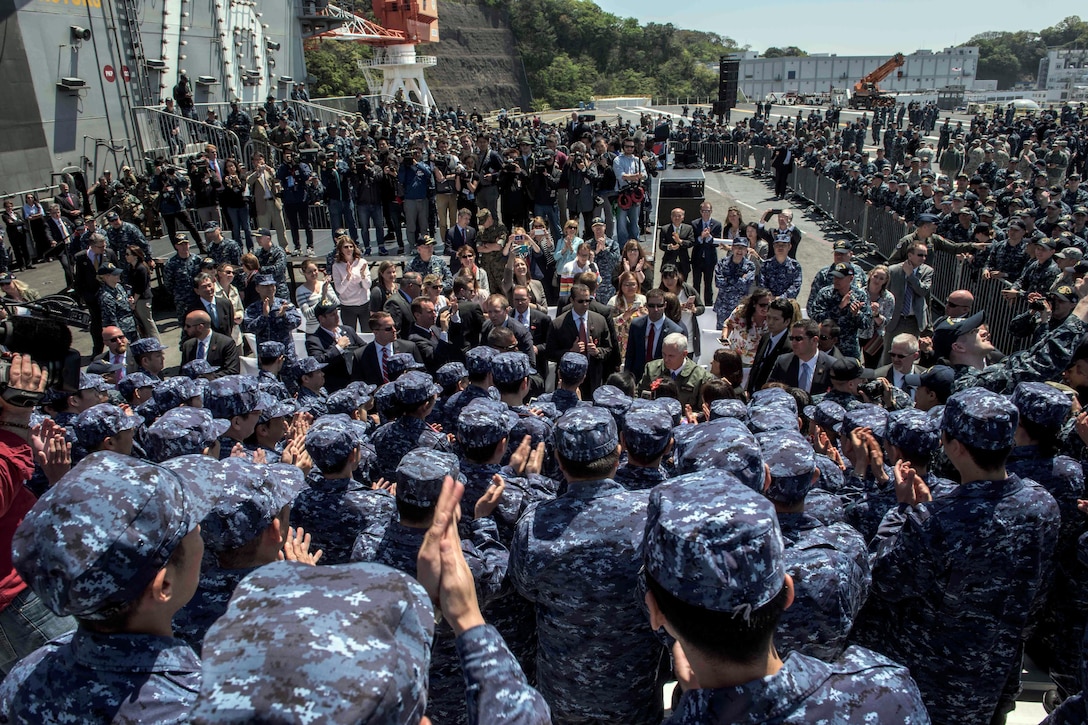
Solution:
(676, 364)
(903, 354)
(785, 228)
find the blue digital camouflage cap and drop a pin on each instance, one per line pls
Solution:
(728, 408)
(386, 397)
(573, 366)
(134, 381)
(103, 367)
(182, 431)
(866, 415)
(232, 395)
(585, 434)
(174, 392)
(251, 497)
(726, 444)
(827, 414)
(450, 373)
(981, 419)
(96, 539)
(400, 363)
(271, 349)
(308, 365)
(675, 408)
(270, 657)
(264, 280)
(420, 474)
(330, 440)
(271, 408)
(1042, 404)
(771, 417)
(100, 422)
(90, 381)
(714, 543)
(510, 367)
(478, 360)
(197, 368)
(914, 431)
(791, 461)
(145, 345)
(773, 397)
(481, 423)
(346, 401)
(538, 429)
(415, 387)
(612, 399)
(646, 431)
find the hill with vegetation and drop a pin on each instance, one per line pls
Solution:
(1013, 57)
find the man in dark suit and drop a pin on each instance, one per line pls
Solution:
(774, 343)
(85, 273)
(782, 162)
(584, 331)
(534, 319)
(219, 310)
(430, 333)
(909, 282)
(645, 336)
(399, 304)
(207, 344)
(675, 241)
(806, 367)
(336, 346)
(116, 352)
(458, 236)
(71, 206)
(496, 309)
(370, 363)
(615, 359)
(704, 254)
(903, 352)
(466, 317)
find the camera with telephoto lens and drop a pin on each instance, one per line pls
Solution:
(874, 389)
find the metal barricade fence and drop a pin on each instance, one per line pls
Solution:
(852, 213)
(884, 230)
(171, 136)
(827, 196)
(805, 183)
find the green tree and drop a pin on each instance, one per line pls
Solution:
(334, 66)
(790, 52)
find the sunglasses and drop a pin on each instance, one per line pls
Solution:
(391, 328)
(798, 338)
(654, 305)
(466, 256)
(825, 337)
(581, 302)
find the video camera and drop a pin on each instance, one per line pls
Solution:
(49, 344)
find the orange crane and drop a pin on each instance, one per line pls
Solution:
(867, 94)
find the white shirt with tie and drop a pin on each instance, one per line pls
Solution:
(202, 345)
(805, 373)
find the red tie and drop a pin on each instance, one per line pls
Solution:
(649, 342)
(385, 360)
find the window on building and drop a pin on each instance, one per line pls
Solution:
(791, 75)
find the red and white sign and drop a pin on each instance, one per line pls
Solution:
(108, 72)
(125, 75)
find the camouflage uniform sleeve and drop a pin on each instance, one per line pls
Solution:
(255, 321)
(520, 566)
(795, 288)
(486, 557)
(495, 687)
(1046, 360)
(293, 316)
(903, 565)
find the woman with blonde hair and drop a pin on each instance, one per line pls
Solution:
(627, 304)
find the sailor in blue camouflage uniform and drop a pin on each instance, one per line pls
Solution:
(272, 318)
(104, 427)
(120, 234)
(286, 612)
(955, 576)
(451, 378)
(716, 573)
(313, 401)
(271, 354)
(147, 347)
(335, 509)
(871, 489)
(273, 261)
(571, 371)
(237, 399)
(478, 365)
(416, 394)
(578, 559)
(851, 316)
(116, 545)
(184, 431)
(223, 251)
(246, 529)
(647, 439)
(178, 274)
(269, 435)
(733, 279)
(1055, 644)
(781, 274)
(829, 564)
(401, 362)
(420, 475)
(725, 444)
(435, 264)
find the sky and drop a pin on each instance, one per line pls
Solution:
(847, 27)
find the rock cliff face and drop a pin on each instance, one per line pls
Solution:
(478, 65)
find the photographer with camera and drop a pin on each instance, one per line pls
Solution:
(239, 122)
(294, 177)
(581, 177)
(415, 181)
(173, 190)
(1046, 312)
(544, 187)
(513, 189)
(605, 186)
(338, 180)
(446, 167)
(206, 178)
(367, 192)
(630, 174)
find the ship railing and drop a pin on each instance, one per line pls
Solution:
(44, 195)
(175, 137)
